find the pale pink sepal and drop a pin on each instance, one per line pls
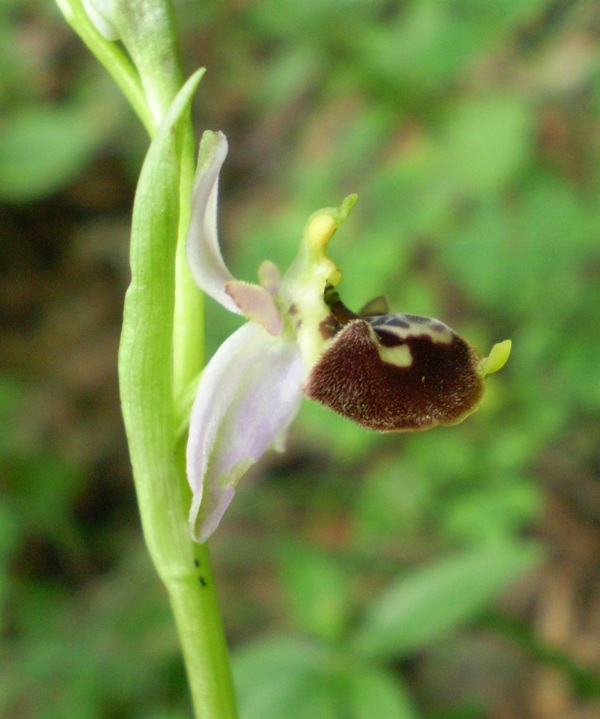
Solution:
(249, 392)
(202, 243)
(256, 303)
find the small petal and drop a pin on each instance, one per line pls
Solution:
(249, 392)
(256, 303)
(376, 306)
(202, 243)
(498, 357)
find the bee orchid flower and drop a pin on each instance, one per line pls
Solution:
(388, 372)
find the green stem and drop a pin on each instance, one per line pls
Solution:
(148, 30)
(193, 596)
(196, 608)
(147, 378)
(162, 340)
(188, 328)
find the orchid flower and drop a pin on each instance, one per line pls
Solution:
(388, 372)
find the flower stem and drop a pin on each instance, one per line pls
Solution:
(197, 615)
(193, 594)
(162, 340)
(147, 368)
(188, 324)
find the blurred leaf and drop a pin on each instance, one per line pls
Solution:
(283, 677)
(333, 433)
(392, 501)
(12, 393)
(423, 44)
(429, 602)
(317, 588)
(367, 132)
(10, 533)
(493, 513)
(494, 253)
(42, 147)
(486, 141)
(289, 75)
(374, 692)
(65, 639)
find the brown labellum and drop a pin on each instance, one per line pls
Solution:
(396, 373)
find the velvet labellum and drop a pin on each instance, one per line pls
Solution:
(394, 372)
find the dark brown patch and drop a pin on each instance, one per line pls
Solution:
(329, 327)
(340, 312)
(441, 386)
(389, 339)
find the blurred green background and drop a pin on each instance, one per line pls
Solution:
(448, 575)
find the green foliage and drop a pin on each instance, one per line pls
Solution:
(433, 601)
(307, 681)
(341, 673)
(317, 590)
(42, 148)
(296, 686)
(485, 143)
(373, 691)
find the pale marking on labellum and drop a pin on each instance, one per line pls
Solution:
(400, 356)
(405, 326)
